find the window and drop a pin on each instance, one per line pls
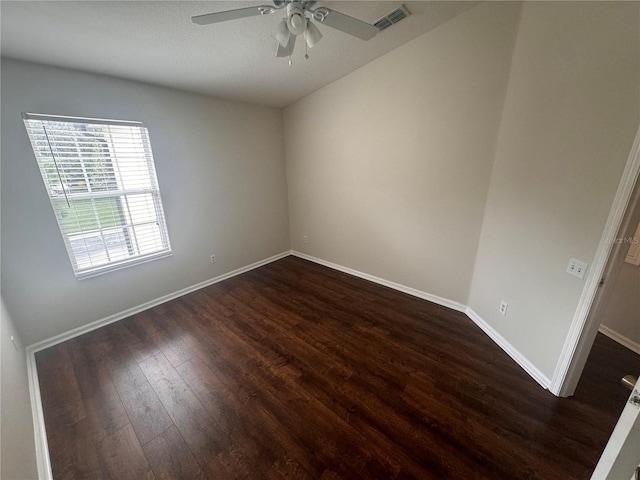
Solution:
(102, 183)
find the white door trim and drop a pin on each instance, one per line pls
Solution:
(578, 343)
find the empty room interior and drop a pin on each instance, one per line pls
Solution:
(404, 245)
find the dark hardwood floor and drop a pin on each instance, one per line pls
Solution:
(297, 371)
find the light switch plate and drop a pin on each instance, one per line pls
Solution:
(577, 268)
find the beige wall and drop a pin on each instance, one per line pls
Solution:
(221, 172)
(571, 113)
(18, 458)
(388, 168)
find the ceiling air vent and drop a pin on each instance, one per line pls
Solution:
(392, 17)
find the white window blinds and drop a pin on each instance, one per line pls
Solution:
(102, 183)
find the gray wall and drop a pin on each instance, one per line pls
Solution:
(18, 457)
(221, 171)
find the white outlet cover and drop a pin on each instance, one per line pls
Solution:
(503, 307)
(577, 268)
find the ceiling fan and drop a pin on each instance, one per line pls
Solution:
(297, 22)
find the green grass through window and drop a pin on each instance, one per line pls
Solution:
(87, 215)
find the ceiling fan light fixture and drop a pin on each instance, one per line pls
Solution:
(296, 20)
(312, 34)
(282, 34)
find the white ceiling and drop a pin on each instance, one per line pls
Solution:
(156, 42)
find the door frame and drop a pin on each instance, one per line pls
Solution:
(584, 326)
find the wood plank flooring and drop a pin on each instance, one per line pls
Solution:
(297, 371)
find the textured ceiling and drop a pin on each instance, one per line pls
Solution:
(156, 42)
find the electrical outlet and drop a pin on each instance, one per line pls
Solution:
(503, 307)
(305, 239)
(577, 268)
(212, 259)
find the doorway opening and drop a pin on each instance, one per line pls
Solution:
(604, 287)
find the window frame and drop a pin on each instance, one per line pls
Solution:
(130, 233)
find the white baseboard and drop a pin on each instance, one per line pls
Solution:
(518, 357)
(621, 339)
(510, 350)
(396, 286)
(63, 337)
(42, 449)
(43, 462)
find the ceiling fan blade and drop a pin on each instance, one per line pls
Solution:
(233, 14)
(288, 50)
(345, 23)
(312, 35)
(282, 34)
